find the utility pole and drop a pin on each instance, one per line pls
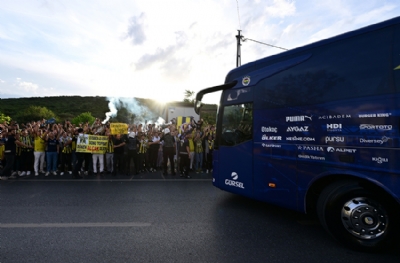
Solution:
(238, 53)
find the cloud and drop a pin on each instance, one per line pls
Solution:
(280, 8)
(136, 29)
(28, 87)
(163, 56)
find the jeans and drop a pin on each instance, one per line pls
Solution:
(51, 158)
(109, 162)
(198, 161)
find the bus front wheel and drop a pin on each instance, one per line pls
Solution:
(359, 218)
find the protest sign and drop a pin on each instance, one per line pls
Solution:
(91, 144)
(119, 128)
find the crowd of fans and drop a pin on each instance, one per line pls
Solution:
(44, 148)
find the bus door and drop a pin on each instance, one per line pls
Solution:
(233, 156)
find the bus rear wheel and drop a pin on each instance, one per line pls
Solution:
(357, 217)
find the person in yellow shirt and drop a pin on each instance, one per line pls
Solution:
(39, 150)
(189, 136)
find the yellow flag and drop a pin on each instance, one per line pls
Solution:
(119, 128)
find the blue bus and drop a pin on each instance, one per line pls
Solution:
(316, 129)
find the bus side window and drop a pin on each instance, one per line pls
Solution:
(237, 123)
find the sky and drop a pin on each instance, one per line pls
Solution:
(157, 49)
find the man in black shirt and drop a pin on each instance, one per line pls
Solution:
(118, 143)
(168, 151)
(184, 154)
(10, 144)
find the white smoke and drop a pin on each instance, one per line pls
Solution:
(113, 110)
(142, 114)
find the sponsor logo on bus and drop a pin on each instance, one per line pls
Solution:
(380, 160)
(334, 127)
(303, 139)
(310, 148)
(271, 145)
(311, 157)
(375, 115)
(271, 138)
(338, 116)
(334, 139)
(376, 127)
(298, 118)
(297, 129)
(246, 81)
(269, 129)
(234, 181)
(375, 141)
(342, 150)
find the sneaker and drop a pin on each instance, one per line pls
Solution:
(28, 173)
(188, 176)
(36, 174)
(54, 173)
(22, 174)
(47, 174)
(4, 178)
(206, 171)
(12, 176)
(85, 173)
(41, 171)
(70, 172)
(62, 173)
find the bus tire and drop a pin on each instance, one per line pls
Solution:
(358, 218)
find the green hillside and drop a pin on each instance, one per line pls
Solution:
(68, 107)
(63, 107)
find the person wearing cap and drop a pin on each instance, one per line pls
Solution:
(168, 151)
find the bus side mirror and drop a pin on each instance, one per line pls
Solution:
(197, 106)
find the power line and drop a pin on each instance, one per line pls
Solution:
(244, 39)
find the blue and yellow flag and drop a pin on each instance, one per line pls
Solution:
(181, 120)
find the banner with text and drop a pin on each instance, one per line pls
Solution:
(119, 128)
(92, 144)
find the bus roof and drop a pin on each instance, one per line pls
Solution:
(257, 64)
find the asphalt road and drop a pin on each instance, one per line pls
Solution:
(151, 218)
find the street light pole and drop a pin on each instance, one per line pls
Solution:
(238, 53)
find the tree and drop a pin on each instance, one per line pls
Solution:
(189, 96)
(83, 118)
(34, 113)
(208, 117)
(4, 118)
